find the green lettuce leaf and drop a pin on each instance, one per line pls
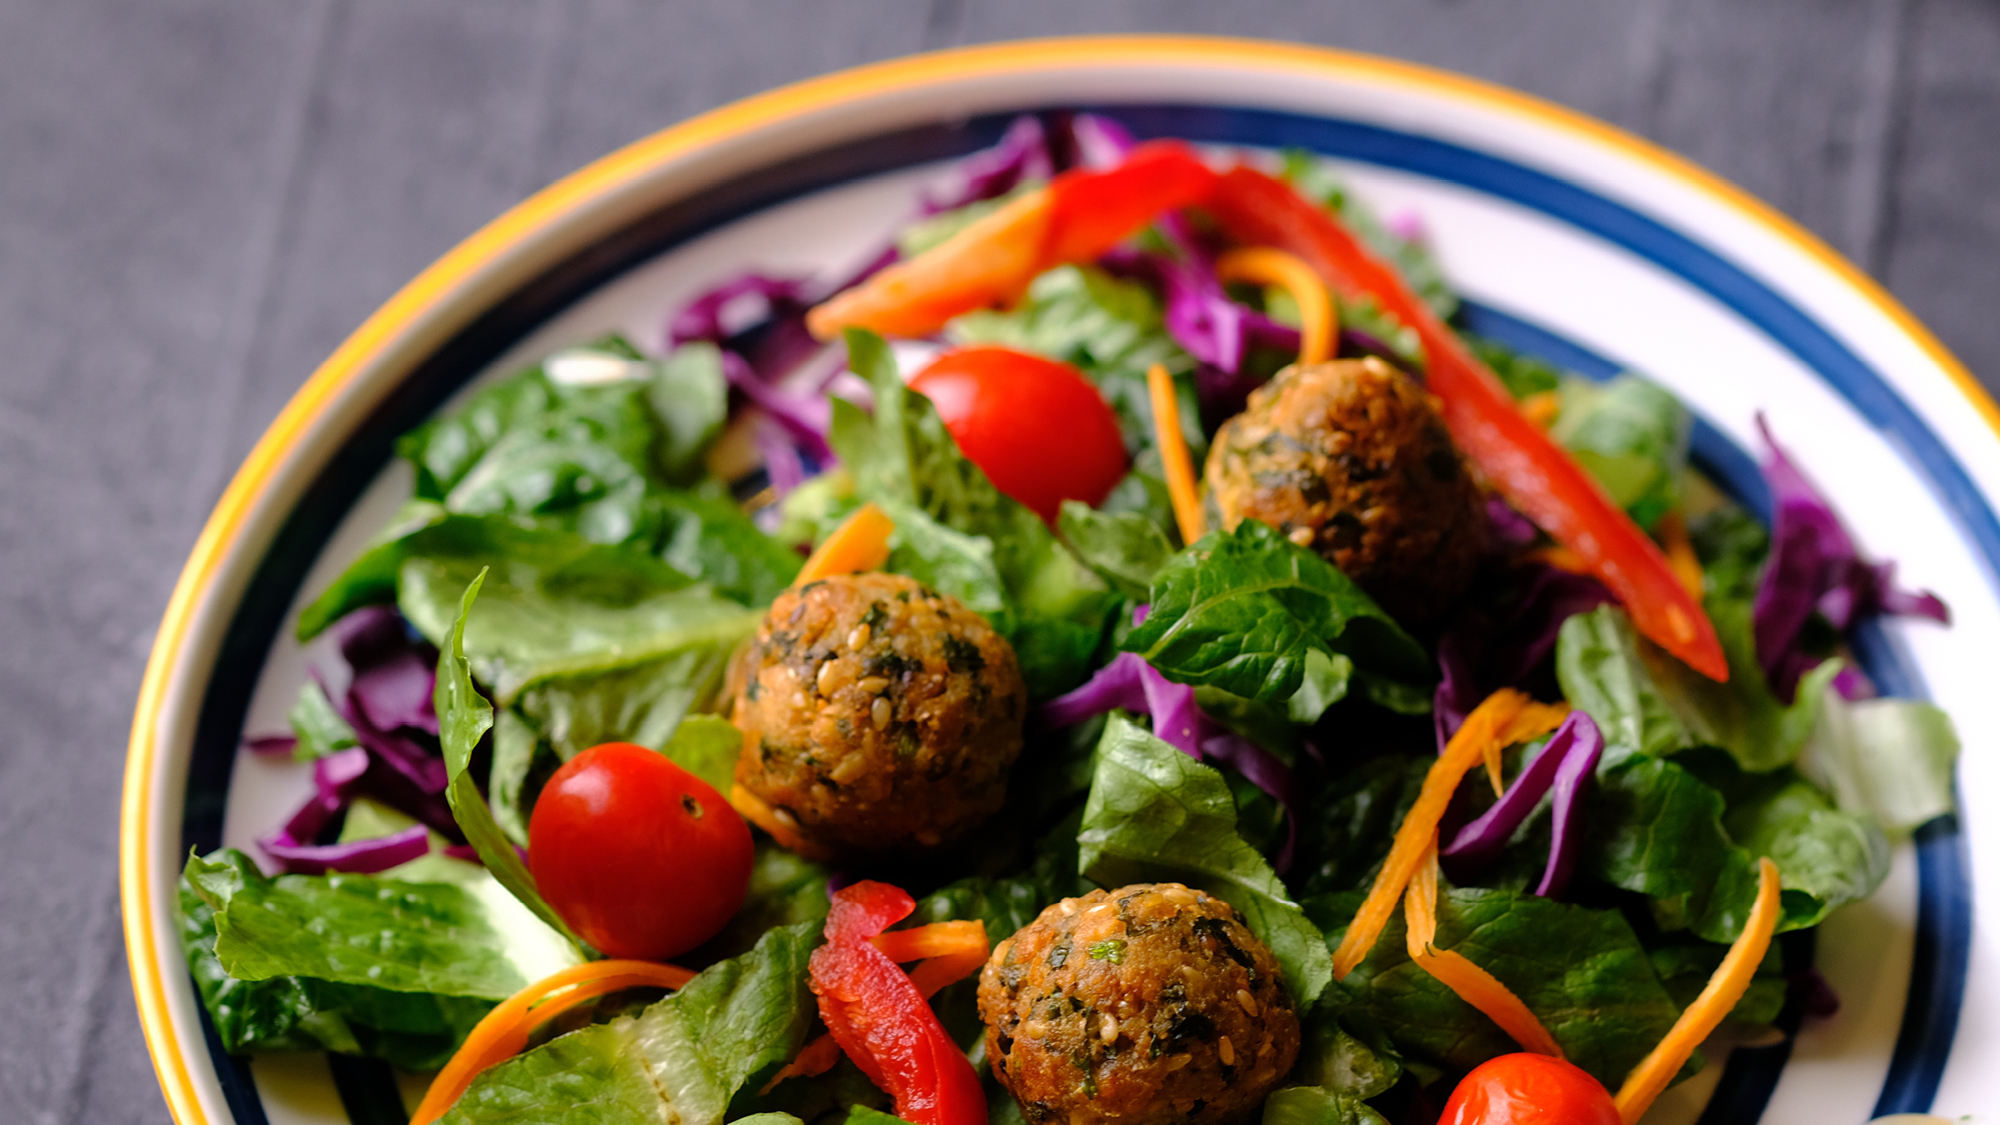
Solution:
(1156, 814)
(463, 717)
(706, 535)
(681, 1060)
(1891, 759)
(414, 1030)
(318, 727)
(1632, 435)
(1648, 701)
(1316, 1105)
(1582, 971)
(1242, 609)
(1126, 549)
(689, 398)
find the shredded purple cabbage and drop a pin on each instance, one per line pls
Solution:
(337, 779)
(271, 745)
(734, 306)
(1129, 683)
(1815, 567)
(1022, 154)
(1482, 652)
(1099, 142)
(1561, 772)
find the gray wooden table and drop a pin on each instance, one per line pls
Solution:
(200, 198)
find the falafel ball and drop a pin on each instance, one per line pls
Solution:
(879, 714)
(1351, 458)
(1149, 1005)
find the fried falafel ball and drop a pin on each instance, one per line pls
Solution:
(1149, 1005)
(1351, 459)
(879, 714)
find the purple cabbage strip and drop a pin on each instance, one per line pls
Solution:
(776, 448)
(807, 418)
(1479, 654)
(1099, 142)
(1128, 683)
(360, 857)
(704, 317)
(1022, 154)
(1815, 567)
(337, 779)
(271, 745)
(1561, 772)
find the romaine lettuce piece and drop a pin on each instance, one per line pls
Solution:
(1156, 814)
(682, 1059)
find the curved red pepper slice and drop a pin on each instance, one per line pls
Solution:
(1534, 473)
(880, 1018)
(1076, 218)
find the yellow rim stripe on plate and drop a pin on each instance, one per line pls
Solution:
(575, 193)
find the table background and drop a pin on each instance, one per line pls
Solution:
(200, 198)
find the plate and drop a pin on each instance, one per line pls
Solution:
(1568, 238)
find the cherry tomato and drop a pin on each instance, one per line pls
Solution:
(1529, 1089)
(1037, 427)
(642, 858)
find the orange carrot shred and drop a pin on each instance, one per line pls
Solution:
(753, 809)
(1560, 557)
(861, 542)
(1452, 969)
(1174, 458)
(1506, 714)
(939, 939)
(1680, 551)
(505, 1030)
(1541, 408)
(1264, 265)
(1717, 1000)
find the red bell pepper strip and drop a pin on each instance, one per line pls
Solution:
(881, 1019)
(1534, 473)
(1076, 218)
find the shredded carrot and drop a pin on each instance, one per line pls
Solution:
(1505, 715)
(861, 542)
(1542, 407)
(1680, 552)
(1717, 1000)
(779, 827)
(1562, 558)
(953, 951)
(1264, 265)
(505, 1030)
(1452, 969)
(1174, 457)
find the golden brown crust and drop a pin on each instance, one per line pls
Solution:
(881, 714)
(1351, 458)
(1147, 1005)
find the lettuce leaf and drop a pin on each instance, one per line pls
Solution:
(682, 1059)
(1583, 971)
(1156, 814)
(706, 535)
(414, 1030)
(1891, 759)
(1316, 1105)
(463, 717)
(1242, 609)
(1632, 435)
(1126, 549)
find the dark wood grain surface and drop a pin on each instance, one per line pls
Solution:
(200, 198)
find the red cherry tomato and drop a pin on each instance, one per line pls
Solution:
(1527, 1089)
(1037, 427)
(642, 858)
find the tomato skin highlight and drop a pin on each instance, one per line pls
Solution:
(643, 859)
(1526, 1089)
(1040, 431)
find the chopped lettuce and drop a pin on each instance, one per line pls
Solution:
(1887, 758)
(682, 1059)
(1156, 814)
(318, 727)
(1581, 970)
(463, 717)
(1316, 1105)
(1632, 435)
(1242, 609)
(1126, 549)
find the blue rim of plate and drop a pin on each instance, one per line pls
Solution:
(1944, 914)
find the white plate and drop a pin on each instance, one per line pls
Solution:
(1567, 236)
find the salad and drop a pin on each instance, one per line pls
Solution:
(1122, 656)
